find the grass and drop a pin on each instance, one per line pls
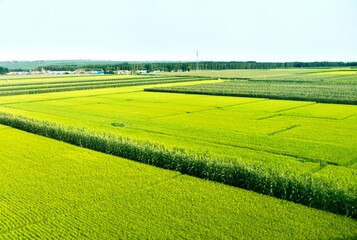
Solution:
(62, 191)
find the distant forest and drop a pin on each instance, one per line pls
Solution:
(109, 67)
(188, 66)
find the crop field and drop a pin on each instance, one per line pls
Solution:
(6, 81)
(82, 83)
(341, 72)
(303, 86)
(318, 92)
(297, 139)
(52, 189)
(329, 74)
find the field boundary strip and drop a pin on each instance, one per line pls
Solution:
(350, 163)
(322, 166)
(348, 116)
(301, 116)
(283, 130)
(297, 158)
(288, 109)
(183, 113)
(268, 117)
(209, 108)
(305, 190)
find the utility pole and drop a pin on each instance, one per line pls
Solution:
(197, 61)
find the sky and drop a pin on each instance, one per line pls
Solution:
(173, 30)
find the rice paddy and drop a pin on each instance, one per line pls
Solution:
(299, 139)
(52, 189)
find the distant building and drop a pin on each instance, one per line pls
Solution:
(122, 72)
(17, 73)
(80, 71)
(96, 72)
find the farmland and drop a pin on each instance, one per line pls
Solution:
(303, 86)
(68, 84)
(55, 190)
(294, 139)
(318, 92)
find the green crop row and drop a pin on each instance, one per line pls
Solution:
(53, 190)
(291, 75)
(84, 81)
(75, 87)
(46, 85)
(302, 91)
(72, 81)
(305, 190)
(46, 77)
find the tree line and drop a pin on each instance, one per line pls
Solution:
(188, 66)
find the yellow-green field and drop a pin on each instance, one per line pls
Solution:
(338, 72)
(296, 138)
(52, 189)
(273, 133)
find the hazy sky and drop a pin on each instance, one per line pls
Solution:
(241, 30)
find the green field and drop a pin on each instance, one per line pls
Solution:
(295, 138)
(318, 92)
(310, 74)
(279, 84)
(267, 131)
(52, 189)
(45, 85)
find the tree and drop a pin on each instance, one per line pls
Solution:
(184, 67)
(148, 67)
(169, 67)
(3, 70)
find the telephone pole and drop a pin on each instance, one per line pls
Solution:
(197, 61)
